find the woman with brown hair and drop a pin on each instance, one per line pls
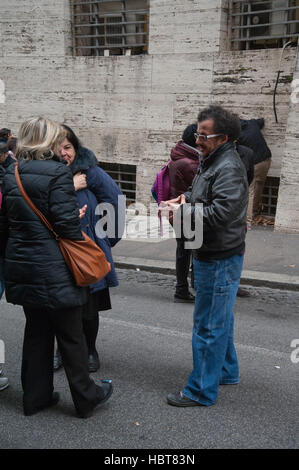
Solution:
(94, 188)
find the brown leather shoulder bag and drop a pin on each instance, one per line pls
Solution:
(85, 260)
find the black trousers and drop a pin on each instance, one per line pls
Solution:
(42, 326)
(182, 266)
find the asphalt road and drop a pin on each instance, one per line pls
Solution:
(145, 348)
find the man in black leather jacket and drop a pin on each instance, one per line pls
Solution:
(221, 187)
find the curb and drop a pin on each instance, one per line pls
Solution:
(253, 278)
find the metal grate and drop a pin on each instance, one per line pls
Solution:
(124, 176)
(269, 197)
(110, 27)
(264, 24)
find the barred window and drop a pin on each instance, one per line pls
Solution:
(264, 24)
(270, 196)
(124, 176)
(110, 27)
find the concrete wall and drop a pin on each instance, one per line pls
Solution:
(133, 109)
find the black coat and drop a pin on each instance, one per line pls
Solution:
(247, 157)
(34, 269)
(7, 162)
(252, 137)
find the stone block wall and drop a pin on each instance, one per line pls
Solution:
(133, 109)
(287, 219)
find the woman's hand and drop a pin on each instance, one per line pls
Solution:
(80, 181)
(82, 211)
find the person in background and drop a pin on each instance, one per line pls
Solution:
(93, 186)
(5, 160)
(12, 146)
(184, 160)
(5, 134)
(36, 275)
(247, 157)
(3, 157)
(4, 382)
(252, 137)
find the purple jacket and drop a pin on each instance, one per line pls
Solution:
(184, 161)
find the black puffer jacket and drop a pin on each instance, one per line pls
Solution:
(221, 186)
(35, 271)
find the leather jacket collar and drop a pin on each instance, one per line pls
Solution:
(207, 162)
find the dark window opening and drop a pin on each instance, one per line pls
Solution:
(124, 176)
(110, 27)
(269, 197)
(264, 24)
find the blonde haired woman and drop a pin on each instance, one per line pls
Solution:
(36, 275)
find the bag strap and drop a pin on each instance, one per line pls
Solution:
(31, 204)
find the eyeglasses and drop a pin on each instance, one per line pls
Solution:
(205, 137)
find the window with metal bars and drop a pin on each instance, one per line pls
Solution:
(124, 176)
(264, 24)
(110, 27)
(269, 197)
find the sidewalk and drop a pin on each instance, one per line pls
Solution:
(271, 258)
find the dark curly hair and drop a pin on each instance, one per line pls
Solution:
(4, 134)
(225, 122)
(188, 135)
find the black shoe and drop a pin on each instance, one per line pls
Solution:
(187, 298)
(108, 390)
(93, 362)
(32, 411)
(4, 383)
(243, 293)
(177, 399)
(57, 362)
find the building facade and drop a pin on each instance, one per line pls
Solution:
(129, 76)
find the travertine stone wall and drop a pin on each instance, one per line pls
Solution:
(133, 109)
(287, 218)
(185, 26)
(35, 28)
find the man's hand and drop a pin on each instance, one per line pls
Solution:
(80, 181)
(170, 207)
(178, 200)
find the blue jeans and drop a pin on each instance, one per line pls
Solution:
(214, 356)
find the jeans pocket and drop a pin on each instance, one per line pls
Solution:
(218, 318)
